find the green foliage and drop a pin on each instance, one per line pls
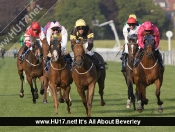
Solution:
(67, 12)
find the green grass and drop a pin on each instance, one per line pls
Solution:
(115, 96)
(107, 44)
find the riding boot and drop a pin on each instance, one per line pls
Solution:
(24, 52)
(159, 57)
(138, 57)
(47, 63)
(99, 65)
(124, 58)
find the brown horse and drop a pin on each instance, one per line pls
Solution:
(59, 74)
(85, 76)
(32, 65)
(148, 72)
(45, 51)
(128, 74)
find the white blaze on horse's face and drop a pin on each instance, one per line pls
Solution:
(55, 55)
(132, 46)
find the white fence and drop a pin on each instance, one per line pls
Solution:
(168, 57)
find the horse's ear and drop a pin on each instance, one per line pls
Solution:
(81, 41)
(73, 41)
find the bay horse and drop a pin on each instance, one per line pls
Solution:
(59, 74)
(148, 72)
(128, 74)
(32, 66)
(85, 75)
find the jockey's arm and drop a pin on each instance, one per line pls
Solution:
(157, 37)
(64, 39)
(48, 35)
(27, 39)
(125, 34)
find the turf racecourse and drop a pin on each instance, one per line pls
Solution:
(115, 95)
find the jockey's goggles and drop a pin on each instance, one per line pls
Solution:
(147, 30)
(81, 28)
(35, 29)
(56, 29)
(131, 24)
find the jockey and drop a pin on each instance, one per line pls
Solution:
(54, 31)
(128, 30)
(32, 32)
(82, 31)
(148, 28)
(133, 16)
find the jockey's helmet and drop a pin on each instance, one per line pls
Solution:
(147, 25)
(55, 25)
(80, 22)
(133, 15)
(131, 20)
(35, 26)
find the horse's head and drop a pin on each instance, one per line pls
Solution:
(37, 51)
(45, 47)
(132, 46)
(79, 52)
(55, 49)
(149, 45)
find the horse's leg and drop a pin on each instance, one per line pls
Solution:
(139, 94)
(101, 91)
(36, 89)
(53, 88)
(45, 81)
(83, 97)
(131, 97)
(60, 99)
(43, 90)
(31, 88)
(90, 94)
(20, 72)
(67, 93)
(158, 84)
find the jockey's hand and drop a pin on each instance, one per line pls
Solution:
(86, 50)
(28, 44)
(122, 47)
(77, 41)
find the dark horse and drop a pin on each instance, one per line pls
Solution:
(128, 74)
(2, 52)
(148, 72)
(59, 74)
(85, 76)
(32, 65)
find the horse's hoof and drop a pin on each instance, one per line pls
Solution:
(139, 110)
(102, 103)
(128, 106)
(36, 95)
(21, 95)
(160, 110)
(45, 101)
(42, 92)
(61, 100)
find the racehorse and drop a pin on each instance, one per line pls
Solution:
(128, 74)
(2, 52)
(147, 72)
(45, 51)
(59, 74)
(85, 76)
(32, 65)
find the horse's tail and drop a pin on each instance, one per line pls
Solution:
(106, 67)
